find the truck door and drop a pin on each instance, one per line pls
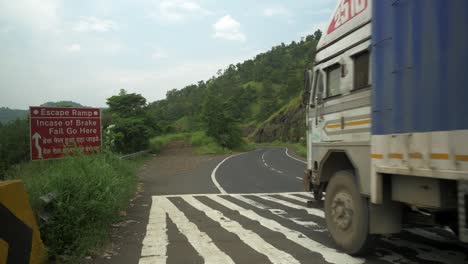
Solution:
(317, 115)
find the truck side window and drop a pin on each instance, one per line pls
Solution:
(333, 80)
(361, 70)
(318, 84)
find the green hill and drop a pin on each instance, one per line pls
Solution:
(7, 114)
(252, 92)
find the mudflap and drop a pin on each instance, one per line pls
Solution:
(463, 211)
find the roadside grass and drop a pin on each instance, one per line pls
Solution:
(202, 143)
(299, 148)
(89, 193)
(157, 144)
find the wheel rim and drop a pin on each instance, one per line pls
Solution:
(342, 211)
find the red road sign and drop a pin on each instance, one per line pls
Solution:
(56, 131)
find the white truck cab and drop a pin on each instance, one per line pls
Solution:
(386, 73)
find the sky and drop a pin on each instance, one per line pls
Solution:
(86, 51)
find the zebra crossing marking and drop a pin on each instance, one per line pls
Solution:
(278, 213)
(329, 254)
(198, 239)
(155, 242)
(163, 208)
(248, 237)
(311, 211)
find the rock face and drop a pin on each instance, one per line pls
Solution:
(287, 125)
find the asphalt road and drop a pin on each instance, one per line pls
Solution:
(250, 208)
(265, 170)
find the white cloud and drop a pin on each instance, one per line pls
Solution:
(90, 24)
(5, 29)
(145, 81)
(112, 47)
(311, 30)
(320, 25)
(179, 10)
(275, 11)
(157, 55)
(228, 28)
(37, 14)
(323, 11)
(73, 48)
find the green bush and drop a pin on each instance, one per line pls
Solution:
(158, 143)
(127, 135)
(90, 192)
(205, 144)
(14, 144)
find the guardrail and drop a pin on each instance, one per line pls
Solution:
(136, 154)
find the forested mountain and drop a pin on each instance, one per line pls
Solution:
(62, 104)
(250, 92)
(7, 114)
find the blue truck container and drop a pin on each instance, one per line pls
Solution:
(419, 66)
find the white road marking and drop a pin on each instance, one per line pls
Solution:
(278, 212)
(287, 154)
(231, 194)
(263, 159)
(268, 166)
(299, 178)
(278, 171)
(247, 236)
(155, 243)
(298, 198)
(213, 174)
(329, 254)
(200, 241)
(312, 211)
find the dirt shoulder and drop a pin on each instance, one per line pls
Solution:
(178, 170)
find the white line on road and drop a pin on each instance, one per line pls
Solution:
(268, 166)
(311, 211)
(247, 236)
(155, 242)
(287, 154)
(216, 194)
(299, 178)
(263, 159)
(329, 254)
(298, 198)
(200, 241)
(213, 174)
(277, 212)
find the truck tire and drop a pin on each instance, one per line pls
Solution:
(347, 214)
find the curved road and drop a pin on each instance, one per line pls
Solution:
(272, 170)
(265, 170)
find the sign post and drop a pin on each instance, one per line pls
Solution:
(56, 131)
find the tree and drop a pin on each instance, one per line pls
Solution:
(14, 144)
(125, 104)
(317, 34)
(131, 124)
(218, 124)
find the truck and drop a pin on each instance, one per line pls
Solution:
(387, 119)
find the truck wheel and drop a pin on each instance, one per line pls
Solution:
(347, 214)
